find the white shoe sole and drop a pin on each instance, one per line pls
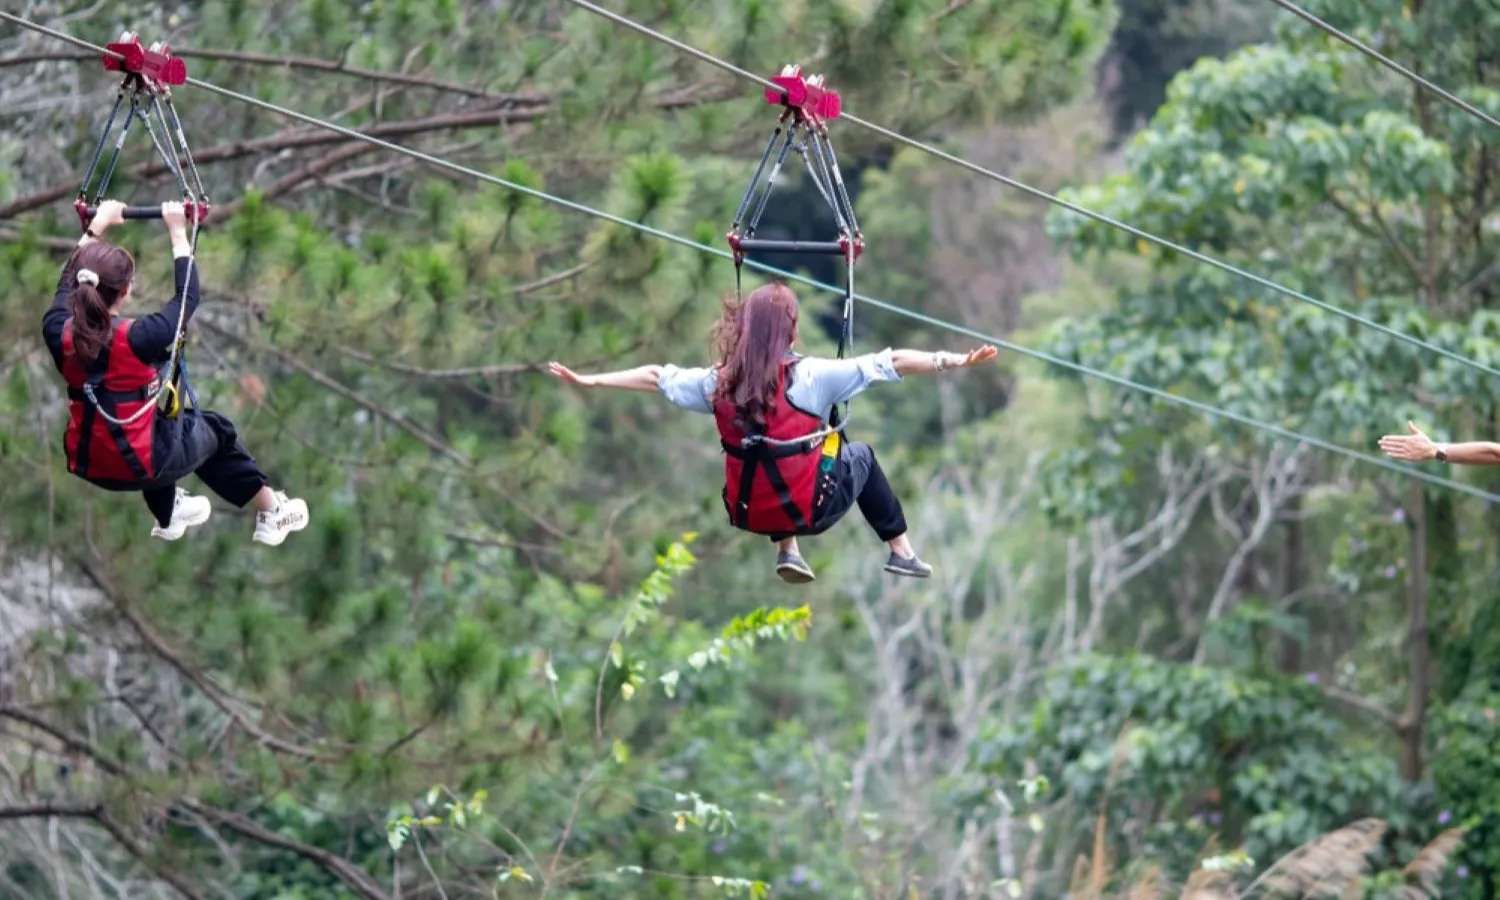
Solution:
(908, 573)
(178, 529)
(275, 538)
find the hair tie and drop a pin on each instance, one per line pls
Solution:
(89, 277)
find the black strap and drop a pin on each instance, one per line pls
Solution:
(771, 451)
(85, 437)
(105, 404)
(784, 494)
(749, 463)
(122, 444)
(764, 456)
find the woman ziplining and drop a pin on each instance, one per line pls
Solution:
(117, 438)
(786, 472)
(118, 370)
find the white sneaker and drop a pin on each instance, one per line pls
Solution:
(187, 511)
(273, 525)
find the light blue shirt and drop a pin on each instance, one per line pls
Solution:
(817, 384)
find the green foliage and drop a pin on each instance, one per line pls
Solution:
(476, 599)
(1189, 752)
(1467, 776)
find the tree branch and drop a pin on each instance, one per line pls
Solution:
(1364, 705)
(309, 172)
(48, 810)
(427, 438)
(213, 692)
(97, 814)
(75, 744)
(352, 875)
(293, 139)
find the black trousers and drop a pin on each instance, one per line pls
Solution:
(204, 443)
(860, 480)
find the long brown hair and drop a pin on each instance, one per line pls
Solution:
(92, 305)
(750, 339)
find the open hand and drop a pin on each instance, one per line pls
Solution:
(1413, 447)
(560, 371)
(980, 355)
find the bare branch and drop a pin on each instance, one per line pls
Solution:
(427, 438)
(213, 692)
(352, 875)
(292, 139)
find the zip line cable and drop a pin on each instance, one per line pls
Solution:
(1053, 198)
(1041, 355)
(1389, 63)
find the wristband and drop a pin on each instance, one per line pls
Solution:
(1442, 453)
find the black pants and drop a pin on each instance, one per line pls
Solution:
(859, 479)
(203, 443)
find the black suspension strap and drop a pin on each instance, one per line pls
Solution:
(149, 74)
(808, 106)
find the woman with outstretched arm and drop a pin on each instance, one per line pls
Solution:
(786, 472)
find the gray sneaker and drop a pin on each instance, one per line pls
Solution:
(793, 569)
(909, 566)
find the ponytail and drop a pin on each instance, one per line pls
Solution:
(91, 322)
(102, 273)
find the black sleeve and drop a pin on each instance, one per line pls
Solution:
(151, 337)
(58, 313)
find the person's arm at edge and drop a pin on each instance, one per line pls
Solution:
(640, 378)
(1418, 447)
(924, 362)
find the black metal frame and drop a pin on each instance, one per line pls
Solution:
(152, 105)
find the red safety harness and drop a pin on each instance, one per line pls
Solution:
(773, 472)
(105, 440)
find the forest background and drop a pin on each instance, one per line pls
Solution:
(520, 653)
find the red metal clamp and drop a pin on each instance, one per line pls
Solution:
(805, 94)
(155, 63)
(858, 243)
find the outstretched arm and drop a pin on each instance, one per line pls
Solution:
(1418, 447)
(641, 378)
(922, 362)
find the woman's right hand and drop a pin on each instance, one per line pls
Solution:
(174, 217)
(979, 355)
(563, 373)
